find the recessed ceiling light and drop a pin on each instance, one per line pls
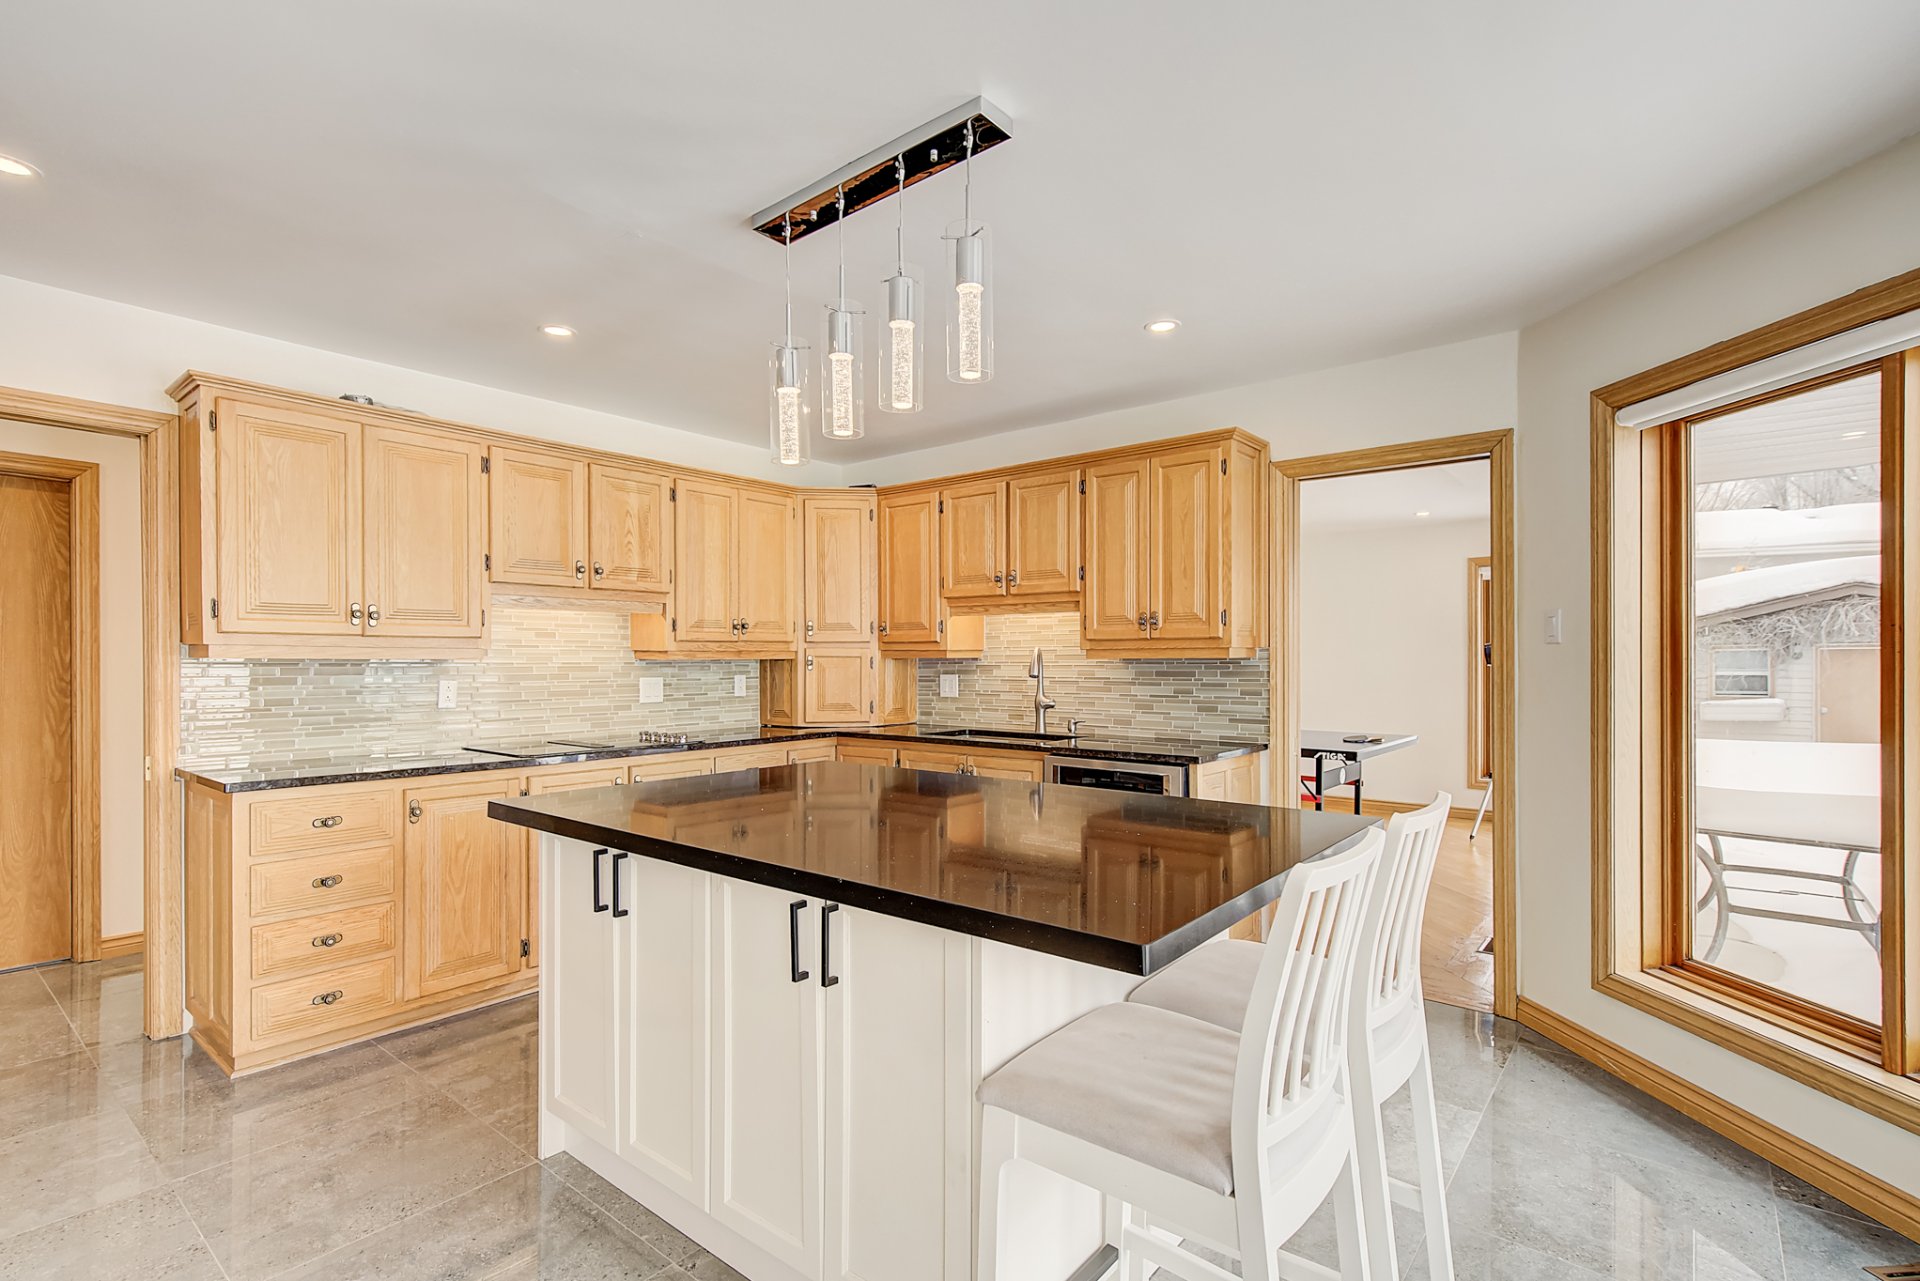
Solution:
(14, 167)
(557, 331)
(1161, 326)
(1423, 513)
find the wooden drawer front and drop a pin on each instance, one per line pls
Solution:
(315, 942)
(821, 751)
(749, 758)
(309, 884)
(672, 767)
(332, 998)
(324, 822)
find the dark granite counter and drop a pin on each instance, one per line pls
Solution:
(1123, 881)
(368, 769)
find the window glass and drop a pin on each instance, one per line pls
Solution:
(1742, 673)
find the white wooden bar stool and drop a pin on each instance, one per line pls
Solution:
(1230, 1138)
(1388, 1042)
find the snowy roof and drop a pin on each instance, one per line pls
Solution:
(1771, 531)
(1728, 592)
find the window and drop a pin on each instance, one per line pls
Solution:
(1757, 872)
(1742, 673)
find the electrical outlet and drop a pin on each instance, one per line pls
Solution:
(449, 694)
(653, 689)
(739, 687)
(949, 686)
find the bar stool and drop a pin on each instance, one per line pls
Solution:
(1230, 1138)
(1388, 1039)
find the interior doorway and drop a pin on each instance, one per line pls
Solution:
(1408, 609)
(49, 736)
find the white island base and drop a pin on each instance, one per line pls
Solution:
(820, 1128)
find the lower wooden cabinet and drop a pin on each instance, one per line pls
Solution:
(1030, 766)
(465, 888)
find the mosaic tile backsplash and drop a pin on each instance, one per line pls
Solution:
(548, 672)
(1223, 700)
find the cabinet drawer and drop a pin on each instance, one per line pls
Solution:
(332, 998)
(822, 751)
(323, 881)
(749, 758)
(315, 942)
(324, 822)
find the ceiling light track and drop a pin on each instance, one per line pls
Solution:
(913, 157)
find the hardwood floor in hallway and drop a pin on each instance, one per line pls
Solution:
(1453, 966)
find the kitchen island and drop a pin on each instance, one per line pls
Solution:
(768, 995)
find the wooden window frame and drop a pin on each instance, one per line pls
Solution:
(1640, 678)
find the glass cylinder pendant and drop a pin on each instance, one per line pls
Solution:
(787, 407)
(843, 392)
(970, 314)
(902, 345)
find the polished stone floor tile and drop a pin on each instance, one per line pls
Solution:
(624, 1210)
(525, 1224)
(1478, 1257)
(703, 1268)
(146, 1238)
(1470, 1051)
(1833, 1247)
(487, 1061)
(60, 1170)
(35, 1025)
(50, 1091)
(107, 1007)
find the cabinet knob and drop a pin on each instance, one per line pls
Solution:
(579, 569)
(1013, 578)
(331, 820)
(373, 616)
(883, 629)
(413, 811)
(599, 570)
(328, 998)
(809, 662)
(1143, 622)
(743, 627)
(997, 579)
(355, 613)
(809, 629)
(327, 940)
(326, 882)
(1153, 619)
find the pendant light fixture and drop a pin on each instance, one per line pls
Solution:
(901, 343)
(787, 410)
(844, 391)
(970, 323)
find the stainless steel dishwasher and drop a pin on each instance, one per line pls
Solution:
(1118, 776)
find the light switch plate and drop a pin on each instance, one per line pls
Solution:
(653, 689)
(739, 687)
(949, 686)
(449, 694)
(1553, 627)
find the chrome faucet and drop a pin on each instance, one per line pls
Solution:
(1041, 703)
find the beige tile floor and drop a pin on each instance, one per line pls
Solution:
(412, 1157)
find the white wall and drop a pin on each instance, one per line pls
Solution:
(122, 674)
(1851, 230)
(1384, 646)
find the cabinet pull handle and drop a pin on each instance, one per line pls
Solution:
(599, 570)
(619, 857)
(373, 616)
(326, 882)
(327, 998)
(1013, 578)
(1153, 620)
(809, 662)
(355, 613)
(327, 940)
(331, 820)
(794, 909)
(743, 627)
(809, 629)
(827, 977)
(1143, 622)
(579, 569)
(883, 629)
(598, 906)
(413, 811)
(997, 578)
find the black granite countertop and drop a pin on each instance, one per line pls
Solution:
(1124, 881)
(574, 749)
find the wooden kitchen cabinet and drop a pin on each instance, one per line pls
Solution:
(1114, 607)
(1186, 556)
(539, 526)
(766, 562)
(465, 890)
(838, 556)
(837, 688)
(1043, 533)
(973, 525)
(1030, 766)
(736, 577)
(705, 554)
(630, 529)
(914, 620)
(424, 505)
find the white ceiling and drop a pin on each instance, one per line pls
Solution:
(1301, 184)
(1454, 492)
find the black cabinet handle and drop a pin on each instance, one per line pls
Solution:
(794, 909)
(827, 977)
(618, 858)
(598, 906)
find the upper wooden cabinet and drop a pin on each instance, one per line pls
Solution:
(838, 568)
(629, 529)
(766, 565)
(973, 523)
(1011, 540)
(1043, 533)
(1114, 607)
(914, 619)
(569, 526)
(423, 505)
(736, 576)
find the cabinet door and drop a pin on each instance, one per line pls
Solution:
(836, 688)
(288, 491)
(838, 569)
(866, 753)
(704, 560)
(539, 519)
(1186, 884)
(898, 1191)
(909, 570)
(630, 529)
(1189, 588)
(466, 877)
(1043, 533)
(664, 1034)
(581, 997)
(766, 568)
(765, 1176)
(1114, 601)
(1028, 767)
(424, 531)
(571, 781)
(933, 759)
(897, 692)
(972, 524)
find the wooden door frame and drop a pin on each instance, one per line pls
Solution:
(159, 437)
(83, 532)
(1496, 447)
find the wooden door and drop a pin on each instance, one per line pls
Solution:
(838, 558)
(704, 561)
(465, 887)
(1114, 600)
(765, 1176)
(36, 720)
(630, 529)
(1043, 533)
(909, 547)
(664, 1026)
(836, 689)
(425, 511)
(583, 995)
(766, 568)
(539, 506)
(288, 494)
(1187, 544)
(542, 785)
(1847, 687)
(973, 523)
